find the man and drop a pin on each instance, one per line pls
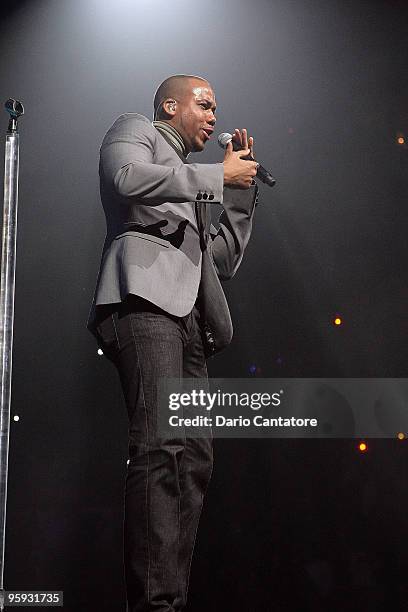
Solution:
(159, 311)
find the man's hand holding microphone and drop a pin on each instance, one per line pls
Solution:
(239, 165)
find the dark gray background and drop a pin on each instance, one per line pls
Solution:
(321, 85)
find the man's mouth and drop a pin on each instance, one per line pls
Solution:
(207, 132)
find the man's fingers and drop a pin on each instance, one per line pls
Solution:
(251, 146)
(241, 140)
(244, 139)
(236, 137)
(243, 153)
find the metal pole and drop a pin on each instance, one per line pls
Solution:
(7, 286)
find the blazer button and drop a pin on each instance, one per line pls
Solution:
(199, 196)
(205, 196)
(211, 196)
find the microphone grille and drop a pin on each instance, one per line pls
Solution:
(224, 139)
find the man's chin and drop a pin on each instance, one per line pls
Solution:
(199, 146)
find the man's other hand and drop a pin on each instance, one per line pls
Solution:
(238, 172)
(241, 141)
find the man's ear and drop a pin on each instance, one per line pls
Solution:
(170, 107)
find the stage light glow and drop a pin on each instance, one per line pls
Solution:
(362, 447)
(401, 140)
(100, 351)
(401, 436)
(337, 321)
(16, 417)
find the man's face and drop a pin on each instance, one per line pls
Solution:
(195, 119)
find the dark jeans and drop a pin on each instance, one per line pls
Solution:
(166, 478)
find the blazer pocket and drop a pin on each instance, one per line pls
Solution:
(146, 237)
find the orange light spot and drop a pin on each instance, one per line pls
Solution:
(362, 446)
(400, 436)
(337, 321)
(401, 140)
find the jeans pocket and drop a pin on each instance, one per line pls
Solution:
(107, 335)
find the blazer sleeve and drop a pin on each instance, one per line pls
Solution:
(229, 242)
(127, 164)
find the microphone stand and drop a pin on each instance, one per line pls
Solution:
(7, 288)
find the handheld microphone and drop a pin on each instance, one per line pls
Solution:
(262, 173)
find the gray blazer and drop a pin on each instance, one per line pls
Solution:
(160, 244)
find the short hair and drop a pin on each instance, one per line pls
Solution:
(173, 86)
